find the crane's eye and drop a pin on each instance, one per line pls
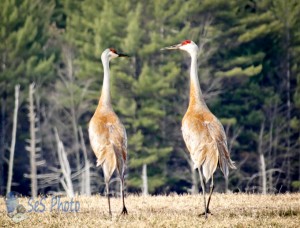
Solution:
(185, 42)
(113, 50)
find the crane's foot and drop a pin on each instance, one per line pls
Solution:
(124, 211)
(109, 216)
(207, 212)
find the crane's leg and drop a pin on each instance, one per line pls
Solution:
(124, 211)
(203, 190)
(108, 199)
(210, 193)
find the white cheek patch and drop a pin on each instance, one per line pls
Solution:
(112, 55)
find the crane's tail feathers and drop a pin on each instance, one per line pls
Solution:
(98, 163)
(225, 165)
(119, 161)
(231, 164)
(210, 162)
(107, 159)
(224, 159)
(101, 159)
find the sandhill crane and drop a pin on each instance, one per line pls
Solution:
(107, 134)
(202, 132)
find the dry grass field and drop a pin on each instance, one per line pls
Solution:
(229, 210)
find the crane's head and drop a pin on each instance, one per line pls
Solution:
(111, 53)
(186, 45)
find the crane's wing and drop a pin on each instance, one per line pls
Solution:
(99, 139)
(206, 140)
(200, 143)
(108, 138)
(219, 136)
(118, 137)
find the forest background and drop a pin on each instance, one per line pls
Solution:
(51, 76)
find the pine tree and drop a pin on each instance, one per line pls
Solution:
(24, 36)
(287, 16)
(25, 57)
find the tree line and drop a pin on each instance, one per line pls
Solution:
(51, 76)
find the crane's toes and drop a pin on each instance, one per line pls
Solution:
(207, 212)
(110, 215)
(124, 211)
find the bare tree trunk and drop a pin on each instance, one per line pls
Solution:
(270, 159)
(277, 134)
(66, 180)
(194, 178)
(226, 184)
(299, 168)
(86, 176)
(262, 160)
(2, 144)
(272, 146)
(75, 131)
(263, 173)
(68, 59)
(70, 75)
(231, 139)
(32, 142)
(13, 140)
(145, 180)
(195, 189)
(286, 64)
(288, 109)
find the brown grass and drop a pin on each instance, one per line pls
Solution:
(229, 210)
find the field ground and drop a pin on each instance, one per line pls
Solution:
(229, 210)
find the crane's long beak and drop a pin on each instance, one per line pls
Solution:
(173, 47)
(123, 55)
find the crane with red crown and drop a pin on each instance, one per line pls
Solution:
(202, 132)
(106, 132)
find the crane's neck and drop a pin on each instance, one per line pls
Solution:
(196, 97)
(105, 94)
